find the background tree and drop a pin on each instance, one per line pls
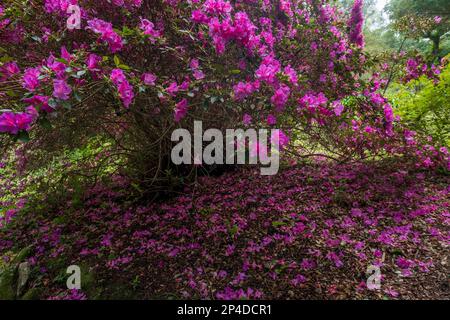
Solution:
(428, 19)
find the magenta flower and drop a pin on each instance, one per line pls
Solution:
(217, 7)
(10, 68)
(199, 75)
(172, 89)
(181, 109)
(338, 108)
(388, 113)
(283, 139)
(93, 62)
(199, 17)
(107, 33)
(292, 74)
(61, 89)
(14, 122)
(40, 102)
(356, 23)
(271, 120)
(123, 86)
(8, 123)
(57, 67)
(280, 98)
(126, 93)
(117, 76)
(268, 70)
(149, 79)
(194, 64)
(149, 29)
(247, 119)
(244, 89)
(30, 79)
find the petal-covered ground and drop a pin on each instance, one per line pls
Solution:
(310, 232)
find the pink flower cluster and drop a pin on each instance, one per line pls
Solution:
(356, 23)
(244, 89)
(58, 6)
(107, 33)
(416, 67)
(222, 30)
(280, 98)
(149, 29)
(14, 122)
(123, 86)
(30, 79)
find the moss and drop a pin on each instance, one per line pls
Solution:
(7, 283)
(32, 294)
(22, 255)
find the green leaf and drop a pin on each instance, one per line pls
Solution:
(278, 223)
(45, 123)
(116, 61)
(233, 230)
(23, 136)
(124, 67)
(62, 60)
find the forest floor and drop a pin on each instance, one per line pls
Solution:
(309, 232)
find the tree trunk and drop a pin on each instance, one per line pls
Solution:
(436, 43)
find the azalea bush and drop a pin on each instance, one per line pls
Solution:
(136, 70)
(91, 92)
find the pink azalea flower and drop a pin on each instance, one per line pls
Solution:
(280, 98)
(93, 62)
(338, 108)
(126, 93)
(149, 79)
(31, 79)
(283, 139)
(61, 89)
(172, 89)
(181, 110)
(199, 75)
(199, 17)
(107, 33)
(149, 29)
(271, 120)
(40, 102)
(247, 119)
(10, 68)
(244, 89)
(14, 122)
(117, 76)
(194, 64)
